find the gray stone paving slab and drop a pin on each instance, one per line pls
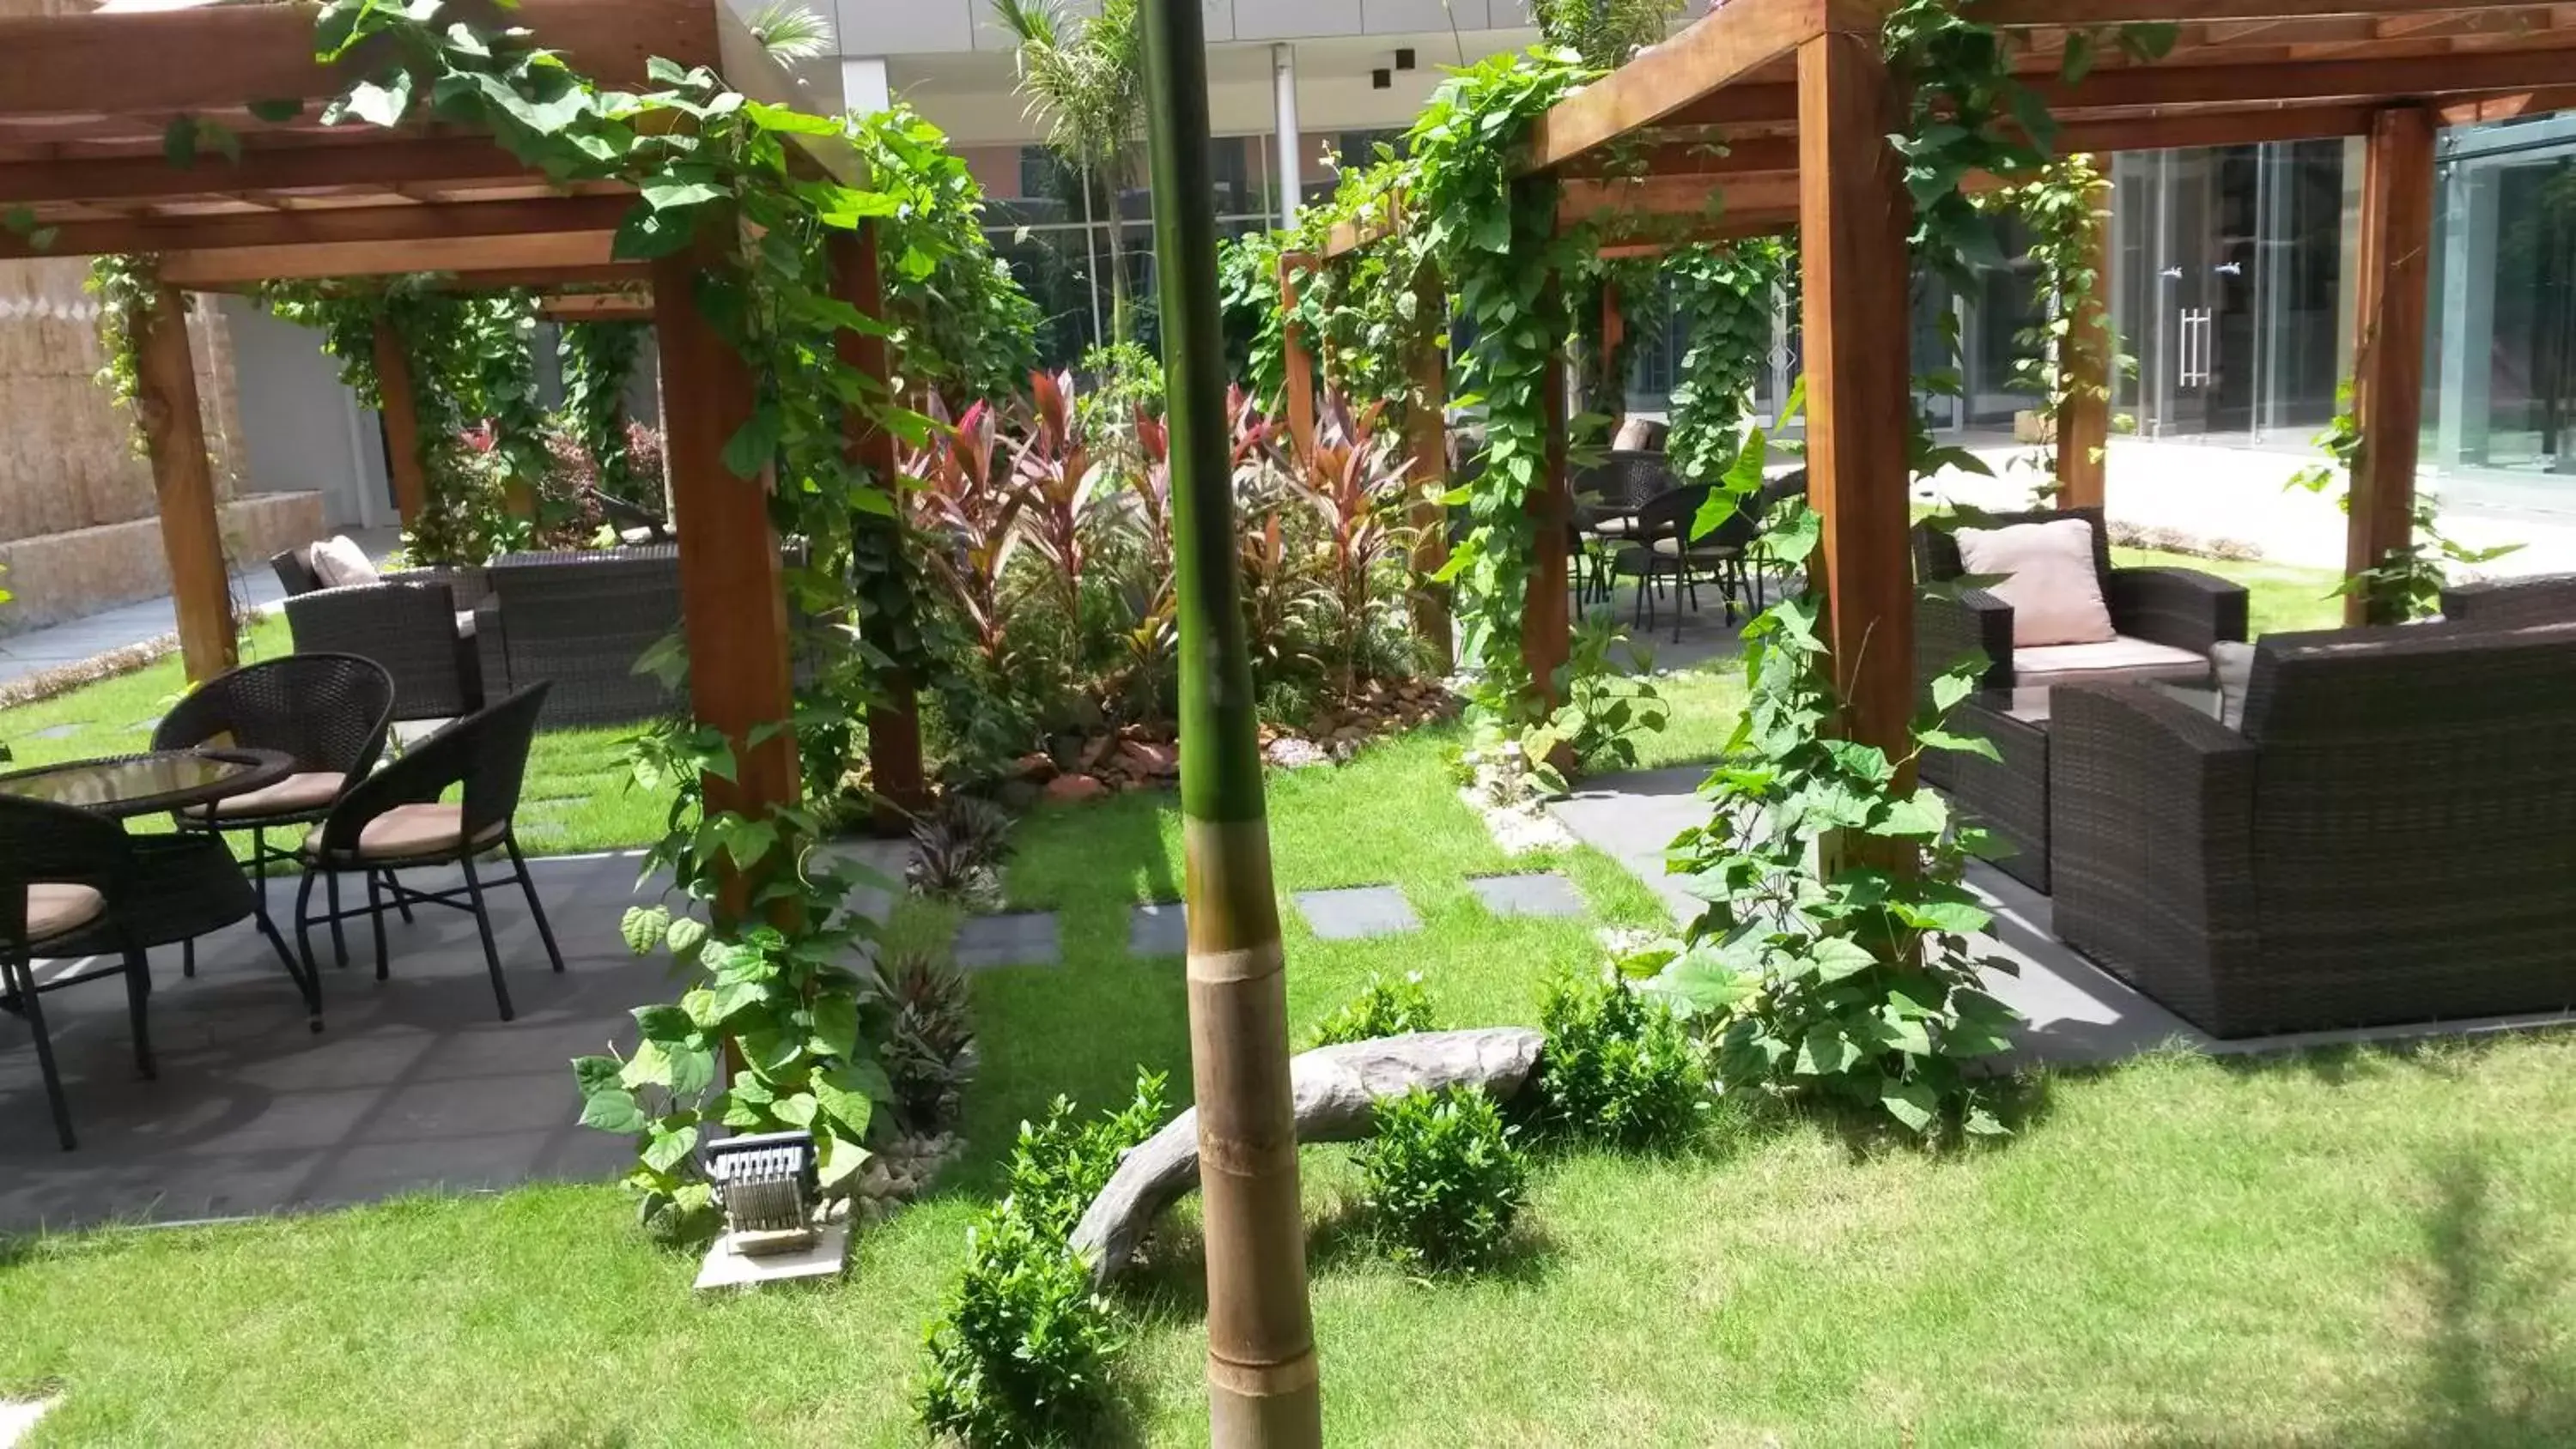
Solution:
(1158, 928)
(1014, 938)
(413, 1084)
(2074, 1012)
(1358, 912)
(1544, 893)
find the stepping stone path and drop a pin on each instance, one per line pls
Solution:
(58, 732)
(1358, 912)
(1016, 938)
(1542, 894)
(1158, 929)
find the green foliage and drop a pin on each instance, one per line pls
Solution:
(1724, 293)
(962, 324)
(126, 288)
(598, 361)
(2070, 353)
(1021, 1350)
(1607, 704)
(1443, 1179)
(1383, 1008)
(1247, 285)
(2408, 580)
(1084, 78)
(1617, 1066)
(1606, 33)
(928, 1053)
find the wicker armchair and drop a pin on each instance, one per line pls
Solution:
(410, 625)
(2162, 615)
(580, 621)
(2391, 837)
(62, 872)
(2546, 599)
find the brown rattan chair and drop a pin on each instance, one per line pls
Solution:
(62, 871)
(2543, 599)
(2390, 836)
(395, 821)
(412, 625)
(326, 712)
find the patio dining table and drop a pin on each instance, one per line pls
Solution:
(122, 786)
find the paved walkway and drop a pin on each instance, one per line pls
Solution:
(2076, 1013)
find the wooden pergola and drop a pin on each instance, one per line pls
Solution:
(86, 102)
(1784, 107)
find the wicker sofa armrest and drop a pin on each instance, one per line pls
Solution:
(2151, 842)
(2546, 599)
(2180, 608)
(1948, 627)
(492, 646)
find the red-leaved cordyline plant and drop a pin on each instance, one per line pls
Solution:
(1056, 474)
(1355, 482)
(1153, 489)
(965, 505)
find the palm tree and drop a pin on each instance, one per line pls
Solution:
(1085, 82)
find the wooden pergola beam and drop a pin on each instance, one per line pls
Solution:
(2083, 424)
(2388, 371)
(1732, 42)
(1426, 442)
(1296, 359)
(529, 260)
(2017, 14)
(2310, 80)
(596, 307)
(183, 482)
(412, 222)
(267, 169)
(400, 408)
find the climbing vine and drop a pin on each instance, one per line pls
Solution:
(712, 169)
(963, 325)
(1724, 293)
(2070, 353)
(2408, 580)
(598, 361)
(126, 288)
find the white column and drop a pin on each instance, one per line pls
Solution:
(2467, 315)
(1283, 76)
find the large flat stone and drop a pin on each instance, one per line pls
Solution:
(1544, 893)
(1358, 912)
(1016, 938)
(1158, 928)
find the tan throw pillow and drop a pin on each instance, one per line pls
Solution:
(2232, 664)
(340, 563)
(2048, 578)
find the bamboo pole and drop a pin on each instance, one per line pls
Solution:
(183, 480)
(1263, 1385)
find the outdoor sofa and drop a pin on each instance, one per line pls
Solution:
(2389, 835)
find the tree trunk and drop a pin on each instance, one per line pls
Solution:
(1122, 325)
(1263, 1387)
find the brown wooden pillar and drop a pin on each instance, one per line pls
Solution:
(183, 479)
(1852, 223)
(2388, 368)
(733, 604)
(1426, 442)
(400, 407)
(2084, 423)
(1547, 624)
(894, 718)
(1299, 363)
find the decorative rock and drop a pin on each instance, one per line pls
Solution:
(1337, 1089)
(1037, 766)
(1075, 788)
(1151, 761)
(1290, 753)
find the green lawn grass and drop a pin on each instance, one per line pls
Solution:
(577, 797)
(2350, 1248)
(2280, 597)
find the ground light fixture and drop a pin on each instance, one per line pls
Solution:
(767, 1186)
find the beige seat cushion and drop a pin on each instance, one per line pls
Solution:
(2048, 578)
(1617, 525)
(339, 563)
(297, 794)
(465, 623)
(2122, 658)
(410, 831)
(54, 907)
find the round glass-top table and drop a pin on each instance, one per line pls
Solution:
(124, 785)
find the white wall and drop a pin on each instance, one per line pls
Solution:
(302, 429)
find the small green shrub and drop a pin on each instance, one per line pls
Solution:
(1444, 1179)
(1021, 1349)
(1383, 1008)
(1617, 1067)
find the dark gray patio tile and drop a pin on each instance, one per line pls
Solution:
(1018, 938)
(475, 1106)
(1160, 928)
(1359, 911)
(1544, 893)
(369, 1171)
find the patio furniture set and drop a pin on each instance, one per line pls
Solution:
(290, 745)
(2327, 829)
(1635, 518)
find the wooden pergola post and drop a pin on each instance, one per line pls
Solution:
(894, 718)
(1852, 228)
(1298, 362)
(183, 479)
(733, 604)
(1547, 623)
(1426, 441)
(2083, 424)
(2388, 372)
(400, 408)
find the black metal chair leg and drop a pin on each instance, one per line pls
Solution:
(376, 917)
(304, 932)
(309, 987)
(138, 992)
(18, 975)
(536, 908)
(483, 924)
(339, 937)
(400, 903)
